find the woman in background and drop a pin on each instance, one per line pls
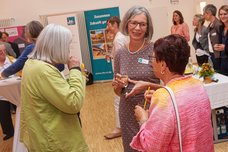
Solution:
(32, 31)
(5, 116)
(223, 45)
(132, 60)
(158, 130)
(179, 26)
(49, 102)
(200, 39)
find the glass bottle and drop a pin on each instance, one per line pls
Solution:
(189, 67)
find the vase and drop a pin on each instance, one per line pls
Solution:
(207, 79)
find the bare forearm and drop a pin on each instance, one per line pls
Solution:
(154, 86)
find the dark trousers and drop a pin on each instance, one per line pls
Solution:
(5, 118)
(202, 59)
(224, 66)
(216, 63)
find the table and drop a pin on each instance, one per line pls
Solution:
(10, 89)
(218, 95)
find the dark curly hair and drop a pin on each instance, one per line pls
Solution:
(174, 50)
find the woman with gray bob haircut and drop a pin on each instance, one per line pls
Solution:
(50, 103)
(53, 45)
(132, 62)
(132, 12)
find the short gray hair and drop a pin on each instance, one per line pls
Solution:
(133, 11)
(53, 44)
(210, 8)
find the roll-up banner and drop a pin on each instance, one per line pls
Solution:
(100, 41)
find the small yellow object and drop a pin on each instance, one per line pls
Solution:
(83, 68)
(145, 102)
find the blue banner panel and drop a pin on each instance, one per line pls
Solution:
(100, 41)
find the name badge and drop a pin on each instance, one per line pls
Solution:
(213, 34)
(143, 61)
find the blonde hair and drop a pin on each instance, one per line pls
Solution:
(53, 44)
(224, 8)
(200, 18)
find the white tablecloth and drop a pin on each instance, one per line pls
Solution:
(11, 90)
(218, 91)
(218, 95)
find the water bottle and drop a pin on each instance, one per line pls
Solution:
(210, 62)
(189, 67)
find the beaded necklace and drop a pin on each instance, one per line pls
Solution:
(128, 48)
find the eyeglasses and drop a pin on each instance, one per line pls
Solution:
(134, 24)
(151, 58)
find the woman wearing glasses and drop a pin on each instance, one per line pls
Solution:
(159, 132)
(132, 61)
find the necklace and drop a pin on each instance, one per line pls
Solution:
(128, 48)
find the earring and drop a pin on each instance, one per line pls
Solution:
(162, 72)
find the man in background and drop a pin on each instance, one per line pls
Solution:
(9, 50)
(209, 13)
(14, 46)
(119, 41)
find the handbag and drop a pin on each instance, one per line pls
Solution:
(177, 115)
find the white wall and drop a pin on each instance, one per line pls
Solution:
(26, 10)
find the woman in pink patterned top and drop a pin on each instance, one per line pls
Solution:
(179, 26)
(158, 132)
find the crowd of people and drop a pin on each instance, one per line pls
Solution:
(141, 71)
(168, 57)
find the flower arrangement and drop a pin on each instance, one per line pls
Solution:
(206, 71)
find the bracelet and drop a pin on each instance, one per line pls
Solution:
(77, 67)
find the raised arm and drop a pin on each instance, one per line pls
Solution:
(156, 133)
(141, 86)
(19, 64)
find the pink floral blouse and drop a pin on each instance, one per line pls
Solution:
(160, 134)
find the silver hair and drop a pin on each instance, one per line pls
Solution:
(53, 44)
(210, 8)
(133, 11)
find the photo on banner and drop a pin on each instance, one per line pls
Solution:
(101, 45)
(100, 41)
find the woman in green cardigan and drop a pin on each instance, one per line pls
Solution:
(50, 102)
